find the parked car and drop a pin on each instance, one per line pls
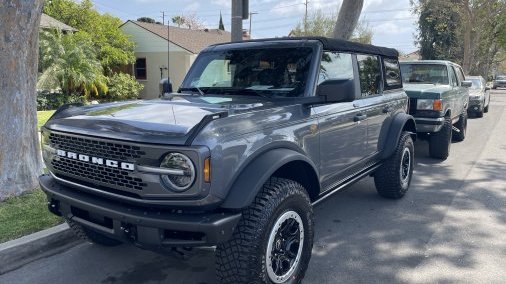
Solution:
(439, 98)
(499, 82)
(479, 96)
(259, 132)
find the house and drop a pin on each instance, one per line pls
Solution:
(151, 52)
(47, 22)
(415, 55)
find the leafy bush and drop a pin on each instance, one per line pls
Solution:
(50, 101)
(122, 87)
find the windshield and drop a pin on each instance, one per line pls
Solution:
(476, 83)
(424, 73)
(266, 72)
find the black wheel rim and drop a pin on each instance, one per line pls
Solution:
(405, 168)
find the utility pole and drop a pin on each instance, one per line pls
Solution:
(168, 43)
(250, 19)
(237, 17)
(305, 17)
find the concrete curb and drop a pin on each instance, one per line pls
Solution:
(18, 252)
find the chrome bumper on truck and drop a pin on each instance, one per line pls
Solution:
(143, 226)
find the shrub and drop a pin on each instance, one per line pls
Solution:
(50, 101)
(122, 87)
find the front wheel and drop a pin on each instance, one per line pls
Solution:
(461, 125)
(393, 177)
(440, 142)
(486, 108)
(273, 241)
(91, 236)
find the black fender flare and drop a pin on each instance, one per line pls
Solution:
(252, 178)
(399, 123)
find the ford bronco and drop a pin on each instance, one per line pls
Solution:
(258, 133)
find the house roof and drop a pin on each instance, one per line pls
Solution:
(47, 22)
(192, 40)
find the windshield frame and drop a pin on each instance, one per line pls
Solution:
(310, 86)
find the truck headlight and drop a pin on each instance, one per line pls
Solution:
(426, 104)
(180, 173)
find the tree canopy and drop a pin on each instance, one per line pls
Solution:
(114, 47)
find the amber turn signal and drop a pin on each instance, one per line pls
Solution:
(437, 105)
(207, 170)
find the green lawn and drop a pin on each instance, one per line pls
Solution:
(25, 214)
(43, 116)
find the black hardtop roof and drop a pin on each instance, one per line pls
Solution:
(332, 45)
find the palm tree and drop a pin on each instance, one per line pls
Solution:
(70, 63)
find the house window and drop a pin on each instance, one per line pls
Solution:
(140, 69)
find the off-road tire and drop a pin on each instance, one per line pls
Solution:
(485, 109)
(479, 113)
(462, 127)
(440, 142)
(91, 236)
(242, 259)
(389, 180)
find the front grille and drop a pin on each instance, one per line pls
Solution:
(412, 106)
(115, 178)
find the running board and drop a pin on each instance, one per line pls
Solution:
(345, 184)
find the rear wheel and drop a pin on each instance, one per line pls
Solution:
(461, 125)
(273, 241)
(486, 108)
(392, 179)
(91, 236)
(440, 142)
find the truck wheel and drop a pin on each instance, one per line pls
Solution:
(462, 127)
(392, 179)
(273, 241)
(91, 236)
(486, 108)
(479, 113)
(440, 142)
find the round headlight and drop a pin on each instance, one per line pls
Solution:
(182, 171)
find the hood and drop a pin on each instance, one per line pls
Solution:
(149, 121)
(425, 91)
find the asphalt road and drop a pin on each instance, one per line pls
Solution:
(449, 228)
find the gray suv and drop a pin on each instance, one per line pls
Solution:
(258, 133)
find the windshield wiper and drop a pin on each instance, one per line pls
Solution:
(193, 89)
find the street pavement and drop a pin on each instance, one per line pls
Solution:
(449, 228)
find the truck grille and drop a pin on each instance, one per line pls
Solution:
(95, 173)
(412, 106)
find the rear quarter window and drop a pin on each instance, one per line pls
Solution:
(392, 73)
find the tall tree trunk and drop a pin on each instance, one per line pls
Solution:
(469, 20)
(347, 19)
(19, 151)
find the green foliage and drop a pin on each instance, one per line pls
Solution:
(439, 34)
(322, 24)
(178, 20)
(51, 100)
(24, 215)
(123, 87)
(113, 47)
(43, 116)
(146, 20)
(70, 64)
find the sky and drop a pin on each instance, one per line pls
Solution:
(392, 22)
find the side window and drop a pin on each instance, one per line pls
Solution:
(392, 74)
(453, 77)
(370, 75)
(335, 66)
(140, 69)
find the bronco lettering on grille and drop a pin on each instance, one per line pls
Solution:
(95, 160)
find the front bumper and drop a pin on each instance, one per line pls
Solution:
(475, 106)
(426, 125)
(143, 226)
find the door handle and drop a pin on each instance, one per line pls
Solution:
(387, 110)
(359, 117)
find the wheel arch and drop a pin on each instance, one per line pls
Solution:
(400, 122)
(279, 162)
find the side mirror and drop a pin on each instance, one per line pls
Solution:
(165, 86)
(467, 84)
(337, 91)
